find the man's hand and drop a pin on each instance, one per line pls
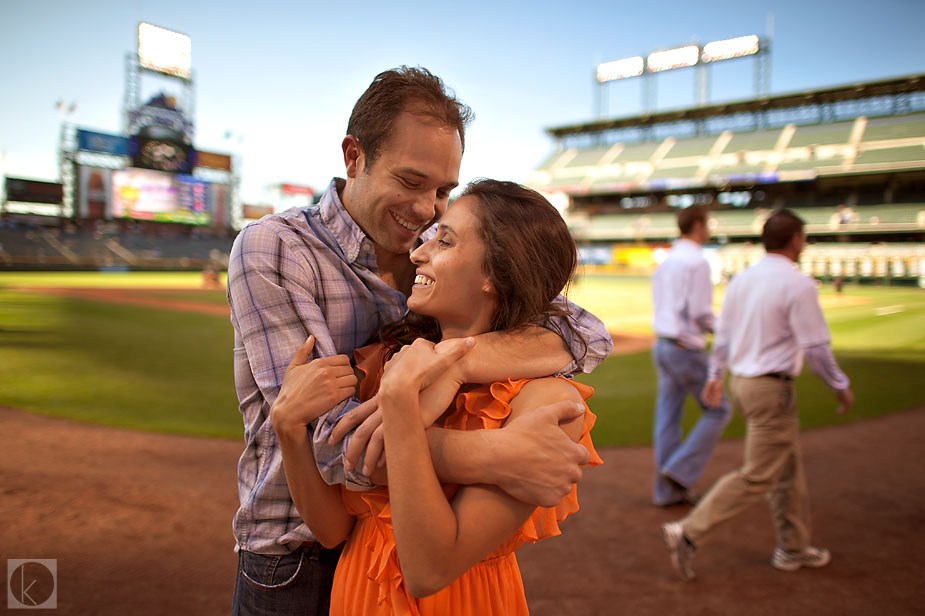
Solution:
(845, 399)
(540, 461)
(311, 388)
(712, 393)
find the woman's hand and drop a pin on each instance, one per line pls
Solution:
(311, 388)
(421, 363)
(422, 360)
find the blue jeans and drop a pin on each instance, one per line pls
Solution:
(682, 372)
(291, 584)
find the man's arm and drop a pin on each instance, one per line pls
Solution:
(712, 393)
(812, 334)
(271, 292)
(820, 360)
(532, 459)
(533, 352)
(701, 297)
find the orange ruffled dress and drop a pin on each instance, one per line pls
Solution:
(368, 579)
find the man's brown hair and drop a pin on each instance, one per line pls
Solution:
(690, 215)
(404, 89)
(779, 229)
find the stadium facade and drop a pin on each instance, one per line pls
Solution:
(850, 160)
(145, 198)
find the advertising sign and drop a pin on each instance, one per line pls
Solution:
(92, 141)
(33, 191)
(94, 192)
(144, 194)
(213, 160)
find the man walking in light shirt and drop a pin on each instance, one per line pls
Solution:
(770, 320)
(682, 294)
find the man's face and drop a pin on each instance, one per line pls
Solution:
(703, 231)
(799, 242)
(405, 189)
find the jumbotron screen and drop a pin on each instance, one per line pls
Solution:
(144, 194)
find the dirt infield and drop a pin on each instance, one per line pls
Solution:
(150, 298)
(140, 524)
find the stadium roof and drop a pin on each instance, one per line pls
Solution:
(887, 87)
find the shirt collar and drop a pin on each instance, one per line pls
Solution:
(684, 243)
(772, 257)
(350, 237)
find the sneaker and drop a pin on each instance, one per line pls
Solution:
(682, 552)
(791, 561)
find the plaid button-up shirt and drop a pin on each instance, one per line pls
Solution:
(312, 270)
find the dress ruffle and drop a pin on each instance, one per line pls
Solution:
(485, 407)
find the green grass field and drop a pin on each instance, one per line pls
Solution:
(171, 371)
(878, 338)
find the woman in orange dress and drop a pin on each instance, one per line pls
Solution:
(501, 255)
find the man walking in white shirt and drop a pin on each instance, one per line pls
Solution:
(682, 293)
(769, 321)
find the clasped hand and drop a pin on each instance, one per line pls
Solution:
(428, 368)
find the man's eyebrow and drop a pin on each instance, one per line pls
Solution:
(412, 171)
(423, 176)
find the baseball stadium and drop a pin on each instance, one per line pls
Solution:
(117, 395)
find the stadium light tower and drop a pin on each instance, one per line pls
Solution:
(694, 55)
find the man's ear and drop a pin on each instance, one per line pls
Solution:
(353, 154)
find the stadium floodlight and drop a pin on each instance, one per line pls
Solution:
(164, 51)
(730, 48)
(620, 69)
(672, 58)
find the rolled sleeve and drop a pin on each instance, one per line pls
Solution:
(330, 458)
(587, 338)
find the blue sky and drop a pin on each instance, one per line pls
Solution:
(283, 76)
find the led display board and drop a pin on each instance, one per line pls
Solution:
(33, 191)
(145, 194)
(160, 154)
(164, 51)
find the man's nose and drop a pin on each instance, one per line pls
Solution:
(425, 206)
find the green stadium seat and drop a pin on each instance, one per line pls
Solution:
(902, 127)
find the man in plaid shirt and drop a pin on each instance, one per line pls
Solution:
(339, 270)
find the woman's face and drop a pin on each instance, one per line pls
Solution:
(450, 284)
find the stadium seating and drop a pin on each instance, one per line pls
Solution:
(811, 150)
(901, 127)
(107, 245)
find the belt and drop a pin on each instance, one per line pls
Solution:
(676, 343)
(315, 550)
(780, 376)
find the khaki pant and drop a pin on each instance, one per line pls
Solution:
(773, 466)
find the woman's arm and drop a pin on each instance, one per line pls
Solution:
(438, 541)
(309, 389)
